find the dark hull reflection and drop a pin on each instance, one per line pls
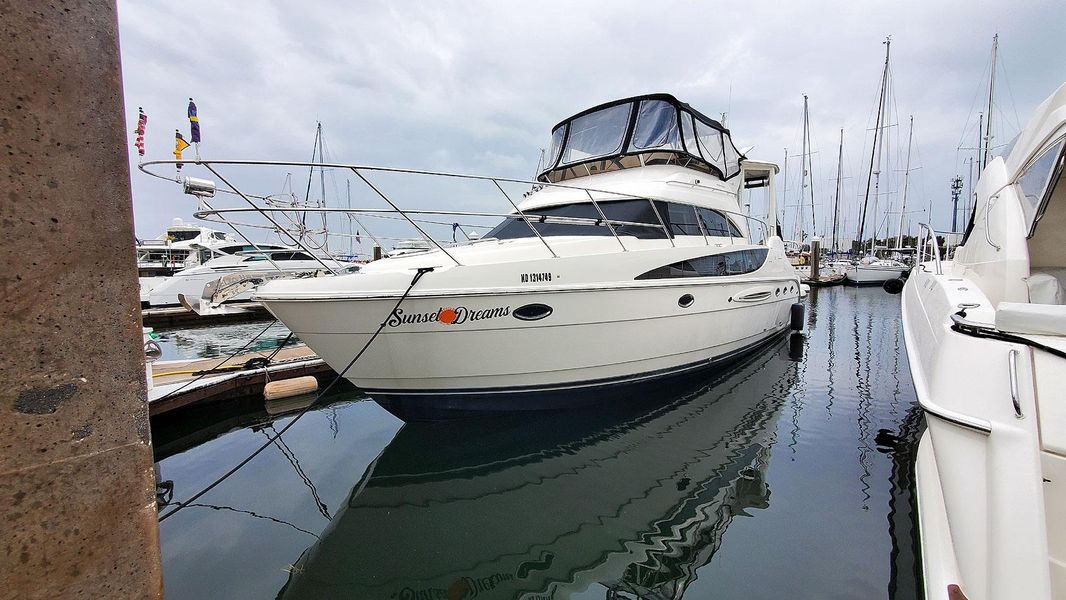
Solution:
(633, 498)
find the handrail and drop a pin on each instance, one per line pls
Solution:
(925, 228)
(404, 215)
(207, 211)
(988, 210)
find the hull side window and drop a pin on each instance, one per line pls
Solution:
(737, 262)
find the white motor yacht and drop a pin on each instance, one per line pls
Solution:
(245, 260)
(182, 245)
(630, 261)
(986, 341)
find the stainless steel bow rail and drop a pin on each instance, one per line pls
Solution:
(271, 209)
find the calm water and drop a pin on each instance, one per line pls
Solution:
(218, 341)
(786, 477)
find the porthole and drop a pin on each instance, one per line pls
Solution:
(685, 301)
(532, 312)
(778, 291)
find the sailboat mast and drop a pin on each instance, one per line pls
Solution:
(874, 154)
(322, 181)
(351, 247)
(784, 189)
(836, 201)
(987, 141)
(310, 177)
(906, 181)
(800, 217)
(808, 168)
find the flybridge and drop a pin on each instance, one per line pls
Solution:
(655, 129)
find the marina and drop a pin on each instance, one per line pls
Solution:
(670, 493)
(436, 303)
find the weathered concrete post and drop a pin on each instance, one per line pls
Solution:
(816, 257)
(77, 511)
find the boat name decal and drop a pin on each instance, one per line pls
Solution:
(536, 277)
(446, 315)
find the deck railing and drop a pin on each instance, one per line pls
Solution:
(926, 237)
(269, 209)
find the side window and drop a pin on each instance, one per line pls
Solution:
(1036, 182)
(737, 262)
(682, 219)
(717, 225)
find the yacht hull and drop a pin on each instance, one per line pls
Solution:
(475, 351)
(867, 275)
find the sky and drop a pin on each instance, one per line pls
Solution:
(475, 87)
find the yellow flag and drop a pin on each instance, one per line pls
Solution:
(179, 145)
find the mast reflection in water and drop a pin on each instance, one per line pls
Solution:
(787, 476)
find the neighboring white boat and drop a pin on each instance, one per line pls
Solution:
(874, 269)
(182, 245)
(630, 261)
(986, 341)
(408, 247)
(247, 260)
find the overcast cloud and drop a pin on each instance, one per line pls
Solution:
(476, 87)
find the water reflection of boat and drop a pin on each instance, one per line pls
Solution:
(518, 506)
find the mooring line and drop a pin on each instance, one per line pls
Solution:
(207, 372)
(306, 409)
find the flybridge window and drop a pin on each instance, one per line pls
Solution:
(737, 262)
(597, 134)
(639, 219)
(557, 144)
(656, 127)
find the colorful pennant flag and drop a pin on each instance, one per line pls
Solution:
(194, 123)
(142, 124)
(179, 145)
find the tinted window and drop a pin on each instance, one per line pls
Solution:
(717, 225)
(281, 256)
(549, 221)
(727, 263)
(681, 218)
(182, 236)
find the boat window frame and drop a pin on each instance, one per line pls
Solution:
(1033, 213)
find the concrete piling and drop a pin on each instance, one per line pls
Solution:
(77, 510)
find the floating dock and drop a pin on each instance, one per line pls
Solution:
(183, 383)
(173, 316)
